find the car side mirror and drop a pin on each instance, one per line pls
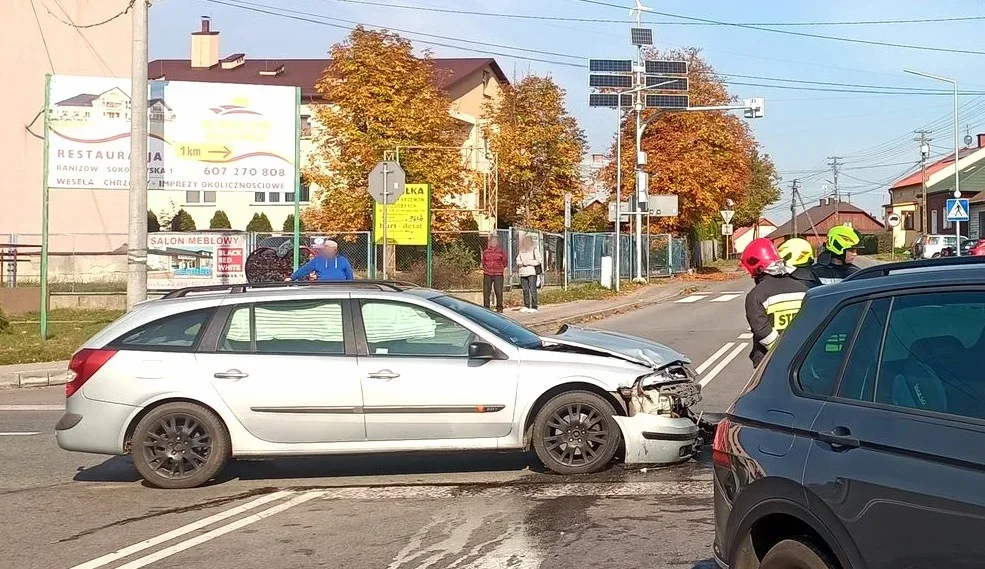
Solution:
(482, 351)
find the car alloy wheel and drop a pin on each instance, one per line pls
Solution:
(574, 433)
(179, 445)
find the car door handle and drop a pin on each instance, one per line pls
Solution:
(384, 374)
(230, 374)
(840, 437)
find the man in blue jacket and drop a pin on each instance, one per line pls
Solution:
(326, 265)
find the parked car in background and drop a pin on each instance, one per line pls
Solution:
(866, 423)
(205, 374)
(975, 247)
(932, 246)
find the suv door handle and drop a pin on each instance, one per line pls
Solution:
(230, 374)
(384, 374)
(840, 437)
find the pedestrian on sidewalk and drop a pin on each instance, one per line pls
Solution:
(530, 268)
(494, 264)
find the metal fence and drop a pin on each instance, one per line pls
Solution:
(664, 255)
(77, 262)
(355, 246)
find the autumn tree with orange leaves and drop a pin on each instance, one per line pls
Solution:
(539, 148)
(705, 158)
(381, 96)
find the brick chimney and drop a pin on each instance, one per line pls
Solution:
(981, 141)
(205, 46)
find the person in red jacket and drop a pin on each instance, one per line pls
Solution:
(494, 264)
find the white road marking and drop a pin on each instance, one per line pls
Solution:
(692, 298)
(20, 434)
(194, 526)
(707, 363)
(726, 297)
(745, 336)
(32, 407)
(220, 531)
(731, 292)
(722, 364)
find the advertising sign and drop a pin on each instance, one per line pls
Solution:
(201, 136)
(177, 260)
(408, 219)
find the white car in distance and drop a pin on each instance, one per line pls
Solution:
(185, 382)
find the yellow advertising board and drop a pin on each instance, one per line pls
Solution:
(408, 219)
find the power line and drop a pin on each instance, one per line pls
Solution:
(665, 23)
(44, 40)
(800, 34)
(96, 24)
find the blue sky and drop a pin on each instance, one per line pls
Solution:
(872, 132)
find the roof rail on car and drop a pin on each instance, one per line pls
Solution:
(887, 268)
(393, 286)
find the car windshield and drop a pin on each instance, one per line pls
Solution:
(501, 326)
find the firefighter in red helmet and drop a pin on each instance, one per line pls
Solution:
(775, 300)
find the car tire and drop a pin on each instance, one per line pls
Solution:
(796, 554)
(179, 445)
(574, 433)
(935, 256)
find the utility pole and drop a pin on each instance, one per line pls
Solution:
(924, 141)
(137, 226)
(834, 170)
(795, 187)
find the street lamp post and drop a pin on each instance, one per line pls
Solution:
(957, 146)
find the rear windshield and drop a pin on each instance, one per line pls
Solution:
(933, 240)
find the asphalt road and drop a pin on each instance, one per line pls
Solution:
(474, 510)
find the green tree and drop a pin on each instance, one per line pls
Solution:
(539, 148)
(220, 221)
(182, 221)
(259, 224)
(761, 191)
(153, 225)
(289, 223)
(593, 219)
(383, 96)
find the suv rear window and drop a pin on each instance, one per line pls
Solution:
(178, 332)
(819, 370)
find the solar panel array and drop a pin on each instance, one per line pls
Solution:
(667, 67)
(661, 83)
(667, 101)
(641, 36)
(610, 65)
(611, 81)
(609, 100)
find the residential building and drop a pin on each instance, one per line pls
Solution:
(743, 235)
(469, 83)
(37, 41)
(814, 223)
(907, 196)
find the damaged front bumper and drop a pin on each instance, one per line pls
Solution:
(658, 439)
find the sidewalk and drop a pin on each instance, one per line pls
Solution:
(550, 317)
(34, 375)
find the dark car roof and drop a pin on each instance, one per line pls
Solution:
(907, 274)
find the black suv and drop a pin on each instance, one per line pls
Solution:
(860, 441)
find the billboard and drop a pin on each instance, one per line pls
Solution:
(177, 260)
(201, 136)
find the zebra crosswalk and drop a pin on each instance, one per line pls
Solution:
(711, 297)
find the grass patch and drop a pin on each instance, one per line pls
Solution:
(575, 293)
(23, 343)
(69, 315)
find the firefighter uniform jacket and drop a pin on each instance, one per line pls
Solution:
(829, 272)
(770, 307)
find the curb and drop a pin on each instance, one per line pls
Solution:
(35, 378)
(605, 312)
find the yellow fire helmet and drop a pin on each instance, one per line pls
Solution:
(797, 252)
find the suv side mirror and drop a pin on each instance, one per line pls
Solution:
(482, 351)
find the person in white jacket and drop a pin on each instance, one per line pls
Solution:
(529, 265)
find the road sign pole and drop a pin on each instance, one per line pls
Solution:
(297, 178)
(386, 266)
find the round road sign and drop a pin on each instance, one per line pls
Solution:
(893, 219)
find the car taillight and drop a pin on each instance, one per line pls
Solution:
(85, 363)
(719, 454)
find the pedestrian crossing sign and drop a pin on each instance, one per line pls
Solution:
(957, 209)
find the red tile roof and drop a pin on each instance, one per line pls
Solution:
(302, 73)
(763, 222)
(914, 178)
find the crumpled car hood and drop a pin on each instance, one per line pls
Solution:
(623, 346)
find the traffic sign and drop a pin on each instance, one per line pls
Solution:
(662, 205)
(957, 209)
(893, 219)
(567, 210)
(386, 182)
(726, 229)
(727, 215)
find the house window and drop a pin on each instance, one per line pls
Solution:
(259, 197)
(908, 221)
(209, 197)
(193, 196)
(113, 115)
(305, 126)
(305, 193)
(933, 222)
(274, 197)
